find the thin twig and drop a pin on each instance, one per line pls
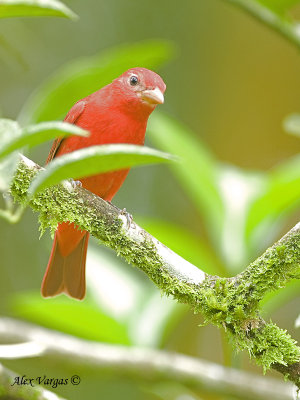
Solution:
(279, 23)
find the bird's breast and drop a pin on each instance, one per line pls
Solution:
(105, 128)
(111, 126)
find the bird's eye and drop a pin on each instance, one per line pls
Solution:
(133, 80)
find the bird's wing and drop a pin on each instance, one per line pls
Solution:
(71, 118)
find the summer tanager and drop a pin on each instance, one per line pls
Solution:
(117, 113)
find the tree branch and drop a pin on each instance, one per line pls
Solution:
(147, 364)
(229, 303)
(10, 391)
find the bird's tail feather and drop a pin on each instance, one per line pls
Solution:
(66, 274)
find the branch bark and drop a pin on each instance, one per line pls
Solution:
(230, 303)
(146, 364)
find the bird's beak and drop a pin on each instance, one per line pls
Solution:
(153, 96)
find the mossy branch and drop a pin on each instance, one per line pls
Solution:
(148, 365)
(229, 303)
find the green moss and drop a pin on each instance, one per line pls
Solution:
(230, 303)
(268, 345)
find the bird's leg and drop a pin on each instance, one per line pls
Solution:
(75, 183)
(128, 216)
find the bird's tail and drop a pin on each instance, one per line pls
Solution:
(65, 272)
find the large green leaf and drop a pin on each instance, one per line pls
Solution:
(197, 171)
(37, 134)
(9, 130)
(83, 76)
(33, 8)
(83, 319)
(94, 160)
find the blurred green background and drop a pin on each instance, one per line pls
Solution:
(230, 83)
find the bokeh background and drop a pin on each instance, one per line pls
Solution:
(231, 81)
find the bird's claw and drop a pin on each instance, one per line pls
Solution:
(128, 216)
(75, 183)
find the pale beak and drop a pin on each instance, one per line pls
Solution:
(153, 96)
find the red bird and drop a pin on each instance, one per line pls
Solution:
(117, 113)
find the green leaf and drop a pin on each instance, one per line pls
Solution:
(155, 320)
(37, 134)
(198, 171)
(82, 319)
(185, 243)
(7, 170)
(94, 160)
(8, 130)
(274, 300)
(279, 6)
(273, 13)
(238, 188)
(291, 124)
(280, 197)
(35, 8)
(80, 77)
(120, 292)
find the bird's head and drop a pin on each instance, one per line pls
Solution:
(140, 89)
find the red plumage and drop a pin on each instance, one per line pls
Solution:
(117, 113)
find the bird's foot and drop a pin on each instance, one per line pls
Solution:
(128, 216)
(75, 183)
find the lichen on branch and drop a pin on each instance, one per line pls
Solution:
(229, 303)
